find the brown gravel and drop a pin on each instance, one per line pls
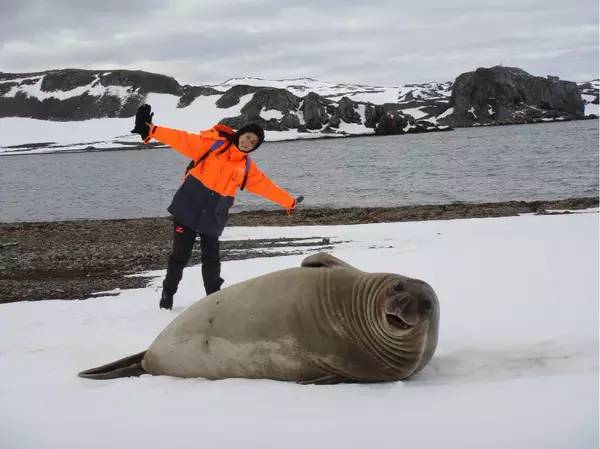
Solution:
(74, 259)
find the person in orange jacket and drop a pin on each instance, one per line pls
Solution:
(220, 166)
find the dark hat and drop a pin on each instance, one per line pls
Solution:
(250, 128)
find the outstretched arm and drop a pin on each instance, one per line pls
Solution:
(260, 184)
(192, 146)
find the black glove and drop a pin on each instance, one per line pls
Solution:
(142, 117)
(296, 202)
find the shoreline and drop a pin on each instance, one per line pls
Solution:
(75, 259)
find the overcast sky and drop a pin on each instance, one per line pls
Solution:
(380, 43)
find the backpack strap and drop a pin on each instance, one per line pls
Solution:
(248, 162)
(215, 146)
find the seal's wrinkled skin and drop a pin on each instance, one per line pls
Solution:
(324, 322)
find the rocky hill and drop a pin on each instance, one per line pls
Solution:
(507, 95)
(72, 94)
(302, 107)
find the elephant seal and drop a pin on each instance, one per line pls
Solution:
(324, 322)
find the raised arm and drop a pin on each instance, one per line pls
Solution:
(192, 146)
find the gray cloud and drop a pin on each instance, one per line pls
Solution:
(385, 43)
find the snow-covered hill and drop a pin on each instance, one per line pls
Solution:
(66, 110)
(57, 98)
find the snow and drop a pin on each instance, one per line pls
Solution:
(94, 89)
(356, 128)
(362, 112)
(591, 109)
(446, 113)
(415, 112)
(18, 130)
(380, 96)
(302, 86)
(20, 79)
(269, 114)
(426, 91)
(516, 365)
(201, 114)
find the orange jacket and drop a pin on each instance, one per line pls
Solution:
(222, 172)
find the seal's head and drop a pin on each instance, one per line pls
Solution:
(393, 320)
(410, 314)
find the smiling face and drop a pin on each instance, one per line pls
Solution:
(408, 303)
(247, 142)
(411, 312)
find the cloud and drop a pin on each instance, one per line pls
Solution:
(387, 42)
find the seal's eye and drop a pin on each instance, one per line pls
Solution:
(399, 287)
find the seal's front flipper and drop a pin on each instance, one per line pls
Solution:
(127, 367)
(329, 379)
(324, 260)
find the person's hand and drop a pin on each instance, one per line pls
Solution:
(296, 202)
(143, 121)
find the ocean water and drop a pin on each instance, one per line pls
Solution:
(520, 162)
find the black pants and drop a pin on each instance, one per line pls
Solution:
(183, 242)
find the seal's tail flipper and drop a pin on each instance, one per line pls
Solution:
(126, 367)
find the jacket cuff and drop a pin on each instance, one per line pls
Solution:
(150, 134)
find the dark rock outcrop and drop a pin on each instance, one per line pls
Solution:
(393, 122)
(65, 80)
(82, 107)
(502, 95)
(140, 81)
(314, 109)
(136, 85)
(233, 95)
(268, 98)
(373, 114)
(190, 93)
(347, 110)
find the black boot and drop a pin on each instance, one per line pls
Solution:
(166, 300)
(213, 285)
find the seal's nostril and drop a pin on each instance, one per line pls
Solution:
(399, 287)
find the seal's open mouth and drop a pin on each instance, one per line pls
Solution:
(396, 321)
(401, 309)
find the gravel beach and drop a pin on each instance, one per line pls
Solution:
(75, 259)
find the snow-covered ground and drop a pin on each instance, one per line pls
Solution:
(516, 365)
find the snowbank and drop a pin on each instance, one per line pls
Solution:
(516, 366)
